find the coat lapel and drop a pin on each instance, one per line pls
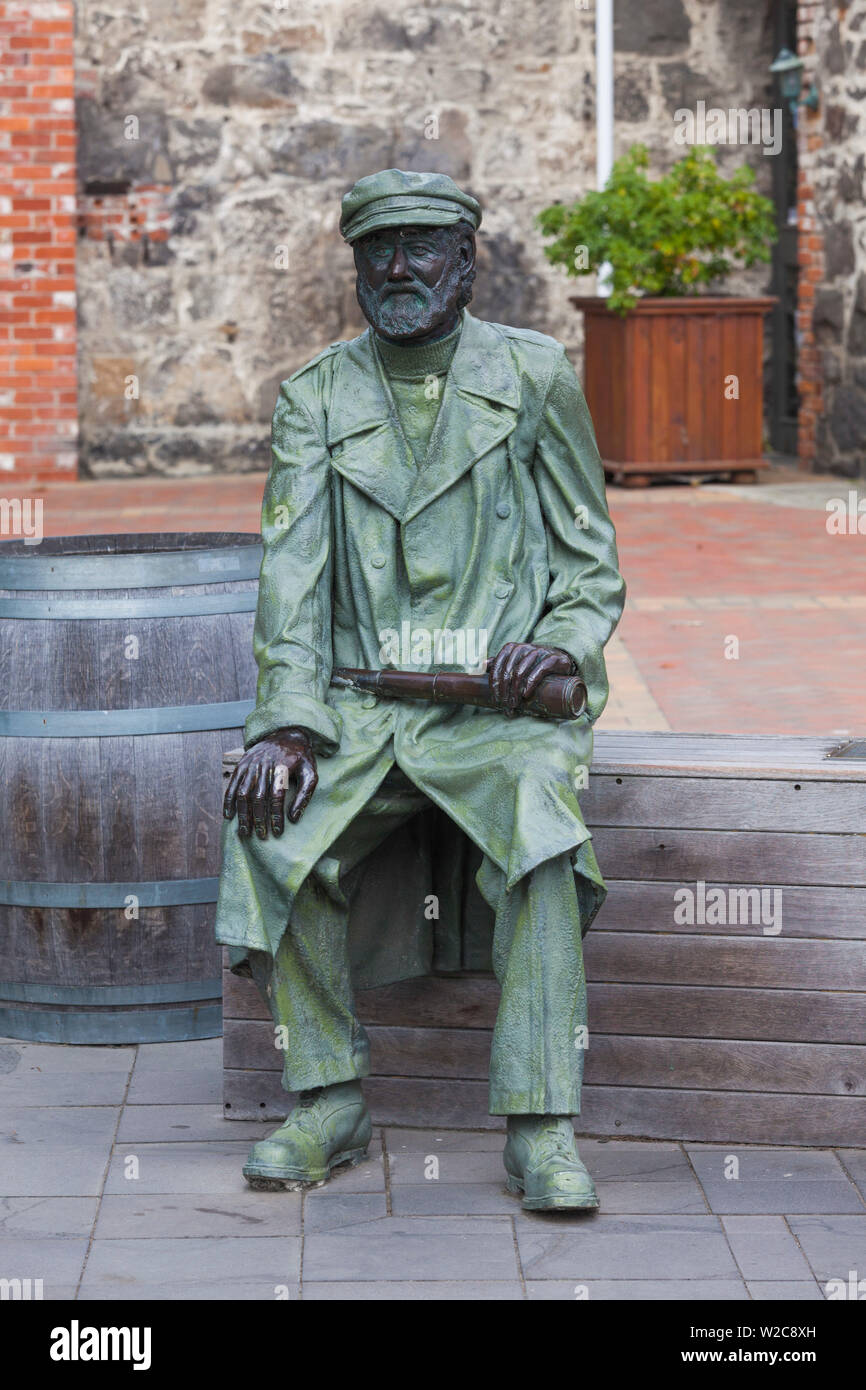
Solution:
(365, 441)
(478, 411)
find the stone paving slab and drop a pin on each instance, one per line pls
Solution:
(795, 1291)
(604, 1246)
(453, 1199)
(210, 1167)
(191, 1075)
(631, 1178)
(854, 1163)
(635, 1160)
(364, 1177)
(57, 1261)
(242, 1268)
(765, 1249)
(201, 1086)
(54, 1152)
(775, 1180)
(450, 1167)
(51, 1058)
(636, 1290)
(462, 1163)
(25, 1217)
(334, 1209)
(185, 1123)
(246, 1213)
(420, 1248)
(90, 1088)
(215, 1167)
(177, 1168)
(438, 1141)
(649, 1196)
(834, 1246)
(51, 1074)
(485, 1199)
(203, 1054)
(411, 1291)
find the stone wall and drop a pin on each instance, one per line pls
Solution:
(216, 139)
(832, 220)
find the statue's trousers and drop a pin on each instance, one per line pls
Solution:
(539, 1039)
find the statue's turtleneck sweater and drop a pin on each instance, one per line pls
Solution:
(416, 374)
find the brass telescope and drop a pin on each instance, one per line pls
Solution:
(556, 697)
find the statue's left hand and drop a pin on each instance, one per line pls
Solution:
(519, 667)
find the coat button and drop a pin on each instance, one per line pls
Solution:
(503, 510)
(369, 703)
(377, 561)
(502, 589)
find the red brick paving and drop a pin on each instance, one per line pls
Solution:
(701, 564)
(231, 503)
(773, 575)
(708, 546)
(797, 672)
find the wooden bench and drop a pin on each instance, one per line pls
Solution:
(746, 1031)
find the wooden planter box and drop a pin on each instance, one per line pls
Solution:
(655, 384)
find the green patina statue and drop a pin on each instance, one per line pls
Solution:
(437, 474)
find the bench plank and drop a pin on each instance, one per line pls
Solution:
(637, 1112)
(684, 802)
(623, 1009)
(824, 912)
(759, 857)
(683, 1063)
(755, 962)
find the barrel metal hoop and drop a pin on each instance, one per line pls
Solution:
(167, 1023)
(179, 606)
(166, 892)
(155, 569)
(181, 992)
(113, 723)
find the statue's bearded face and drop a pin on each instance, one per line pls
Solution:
(413, 281)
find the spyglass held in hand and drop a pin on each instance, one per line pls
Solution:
(555, 697)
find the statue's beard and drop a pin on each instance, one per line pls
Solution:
(413, 310)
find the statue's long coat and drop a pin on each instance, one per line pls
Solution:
(504, 529)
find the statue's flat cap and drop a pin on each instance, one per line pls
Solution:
(397, 198)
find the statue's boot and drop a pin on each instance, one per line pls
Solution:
(329, 1127)
(543, 1164)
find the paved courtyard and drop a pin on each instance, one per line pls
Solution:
(120, 1179)
(744, 612)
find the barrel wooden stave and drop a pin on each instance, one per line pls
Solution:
(132, 809)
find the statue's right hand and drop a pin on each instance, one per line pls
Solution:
(257, 787)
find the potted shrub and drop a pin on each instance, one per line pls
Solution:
(673, 377)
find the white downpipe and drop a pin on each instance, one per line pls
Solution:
(603, 110)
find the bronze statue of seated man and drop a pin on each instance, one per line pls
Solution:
(438, 471)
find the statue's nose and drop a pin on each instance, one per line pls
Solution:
(399, 267)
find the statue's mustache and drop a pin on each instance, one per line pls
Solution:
(387, 291)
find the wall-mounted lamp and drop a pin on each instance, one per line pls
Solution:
(790, 72)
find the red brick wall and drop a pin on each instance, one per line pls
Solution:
(37, 242)
(810, 249)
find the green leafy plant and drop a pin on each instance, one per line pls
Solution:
(665, 236)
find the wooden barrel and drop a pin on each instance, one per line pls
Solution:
(126, 670)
